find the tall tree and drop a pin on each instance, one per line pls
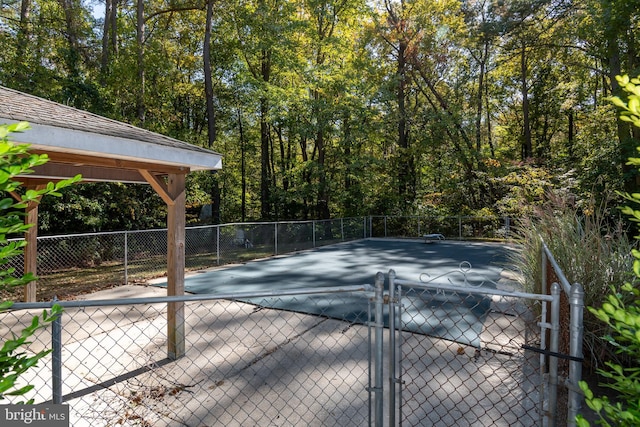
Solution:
(23, 43)
(140, 42)
(211, 113)
(401, 37)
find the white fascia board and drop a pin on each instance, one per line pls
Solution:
(45, 137)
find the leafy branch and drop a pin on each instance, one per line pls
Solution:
(621, 313)
(15, 160)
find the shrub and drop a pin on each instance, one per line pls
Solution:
(591, 248)
(15, 160)
(620, 312)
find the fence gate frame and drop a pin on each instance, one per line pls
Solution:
(386, 407)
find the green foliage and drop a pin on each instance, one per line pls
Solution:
(14, 362)
(620, 312)
(630, 113)
(520, 188)
(328, 72)
(91, 207)
(16, 160)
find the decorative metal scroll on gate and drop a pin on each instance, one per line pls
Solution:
(463, 269)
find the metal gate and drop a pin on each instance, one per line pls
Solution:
(464, 351)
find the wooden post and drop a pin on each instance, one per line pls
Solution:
(31, 237)
(176, 265)
(31, 250)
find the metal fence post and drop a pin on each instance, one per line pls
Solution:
(543, 271)
(393, 378)
(364, 227)
(342, 228)
(56, 359)
(218, 244)
(313, 232)
(576, 303)
(385, 226)
(459, 227)
(553, 360)
(275, 238)
(126, 254)
(379, 326)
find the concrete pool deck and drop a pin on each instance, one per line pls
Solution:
(286, 371)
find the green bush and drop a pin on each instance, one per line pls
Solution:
(15, 160)
(624, 323)
(620, 312)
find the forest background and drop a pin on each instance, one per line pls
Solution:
(340, 108)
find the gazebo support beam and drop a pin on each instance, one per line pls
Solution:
(159, 185)
(31, 251)
(31, 237)
(176, 264)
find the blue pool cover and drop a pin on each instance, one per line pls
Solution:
(458, 317)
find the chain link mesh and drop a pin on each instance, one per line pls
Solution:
(245, 364)
(446, 383)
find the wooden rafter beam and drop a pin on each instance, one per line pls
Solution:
(86, 160)
(52, 171)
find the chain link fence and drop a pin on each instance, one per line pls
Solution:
(497, 383)
(498, 364)
(245, 363)
(455, 352)
(116, 258)
(569, 335)
(135, 256)
(451, 227)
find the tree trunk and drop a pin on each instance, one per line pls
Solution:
(488, 115)
(480, 95)
(265, 182)
(403, 137)
(349, 205)
(22, 42)
(71, 33)
(114, 26)
(24, 30)
(322, 203)
(243, 167)
(140, 35)
(208, 80)
(211, 113)
(104, 57)
(527, 146)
